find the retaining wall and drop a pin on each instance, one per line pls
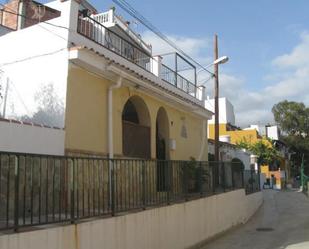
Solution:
(177, 226)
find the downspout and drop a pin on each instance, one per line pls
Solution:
(204, 140)
(110, 140)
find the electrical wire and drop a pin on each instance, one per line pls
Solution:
(32, 57)
(134, 13)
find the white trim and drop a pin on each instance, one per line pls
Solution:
(92, 60)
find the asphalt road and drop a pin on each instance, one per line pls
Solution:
(283, 219)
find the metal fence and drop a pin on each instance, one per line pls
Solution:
(38, 189)
(97, 32)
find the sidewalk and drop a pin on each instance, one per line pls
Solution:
(281, 223)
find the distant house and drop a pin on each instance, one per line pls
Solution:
(269, 134)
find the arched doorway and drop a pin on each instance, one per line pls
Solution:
(136, 129)
(162, 135)
(162, 149)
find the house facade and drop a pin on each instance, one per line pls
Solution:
(92, 76)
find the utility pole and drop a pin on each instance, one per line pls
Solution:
(216, 75)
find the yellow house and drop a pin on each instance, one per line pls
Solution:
(118, 99)
(123, 102)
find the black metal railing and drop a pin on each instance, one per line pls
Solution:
(171, 77)
(39, 189)
(97, 32)
(251, 181)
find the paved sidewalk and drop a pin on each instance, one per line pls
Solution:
(285, 217)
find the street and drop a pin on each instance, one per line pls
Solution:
(281, 223)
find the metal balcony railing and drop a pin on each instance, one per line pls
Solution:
(97, 32)
(170, 76)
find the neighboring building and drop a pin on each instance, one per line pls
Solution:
(269, 131)
(227, 127)
(226, 116)
(90, 74)
(277, 173)
(233, 134)
(228, 152)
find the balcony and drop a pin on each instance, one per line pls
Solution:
(102, 29)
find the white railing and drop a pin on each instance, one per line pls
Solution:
(104, 17)
(109, 19)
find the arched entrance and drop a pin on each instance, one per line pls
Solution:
(162, 149)
(136, 129)
(162, 135)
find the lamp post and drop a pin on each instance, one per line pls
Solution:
(216, 63)
(215, 75)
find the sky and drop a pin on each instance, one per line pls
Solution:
(267, 42)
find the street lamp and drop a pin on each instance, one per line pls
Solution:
(221, 60)
(216, 63)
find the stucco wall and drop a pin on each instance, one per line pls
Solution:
(251, 136)
(230, 151)
(31, 139)
(86, 118)
(177, 226)
(226, 111)
(39, 55)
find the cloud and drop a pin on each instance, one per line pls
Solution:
(288, 78)
(298, 56)
(194, 47)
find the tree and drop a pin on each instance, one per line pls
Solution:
(263, 149)
(50, 108)
(293, 119)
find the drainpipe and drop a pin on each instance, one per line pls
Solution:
(111, 140)
(110, 116)
(204, 140)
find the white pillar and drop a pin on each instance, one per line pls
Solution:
(156, 65)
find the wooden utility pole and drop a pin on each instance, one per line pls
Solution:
(216, 75)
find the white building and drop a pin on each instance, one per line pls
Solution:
(226, 111)
(270, 131)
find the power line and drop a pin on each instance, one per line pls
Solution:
(32, 57)
(129, 9)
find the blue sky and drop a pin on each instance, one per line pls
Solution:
(267, 42)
